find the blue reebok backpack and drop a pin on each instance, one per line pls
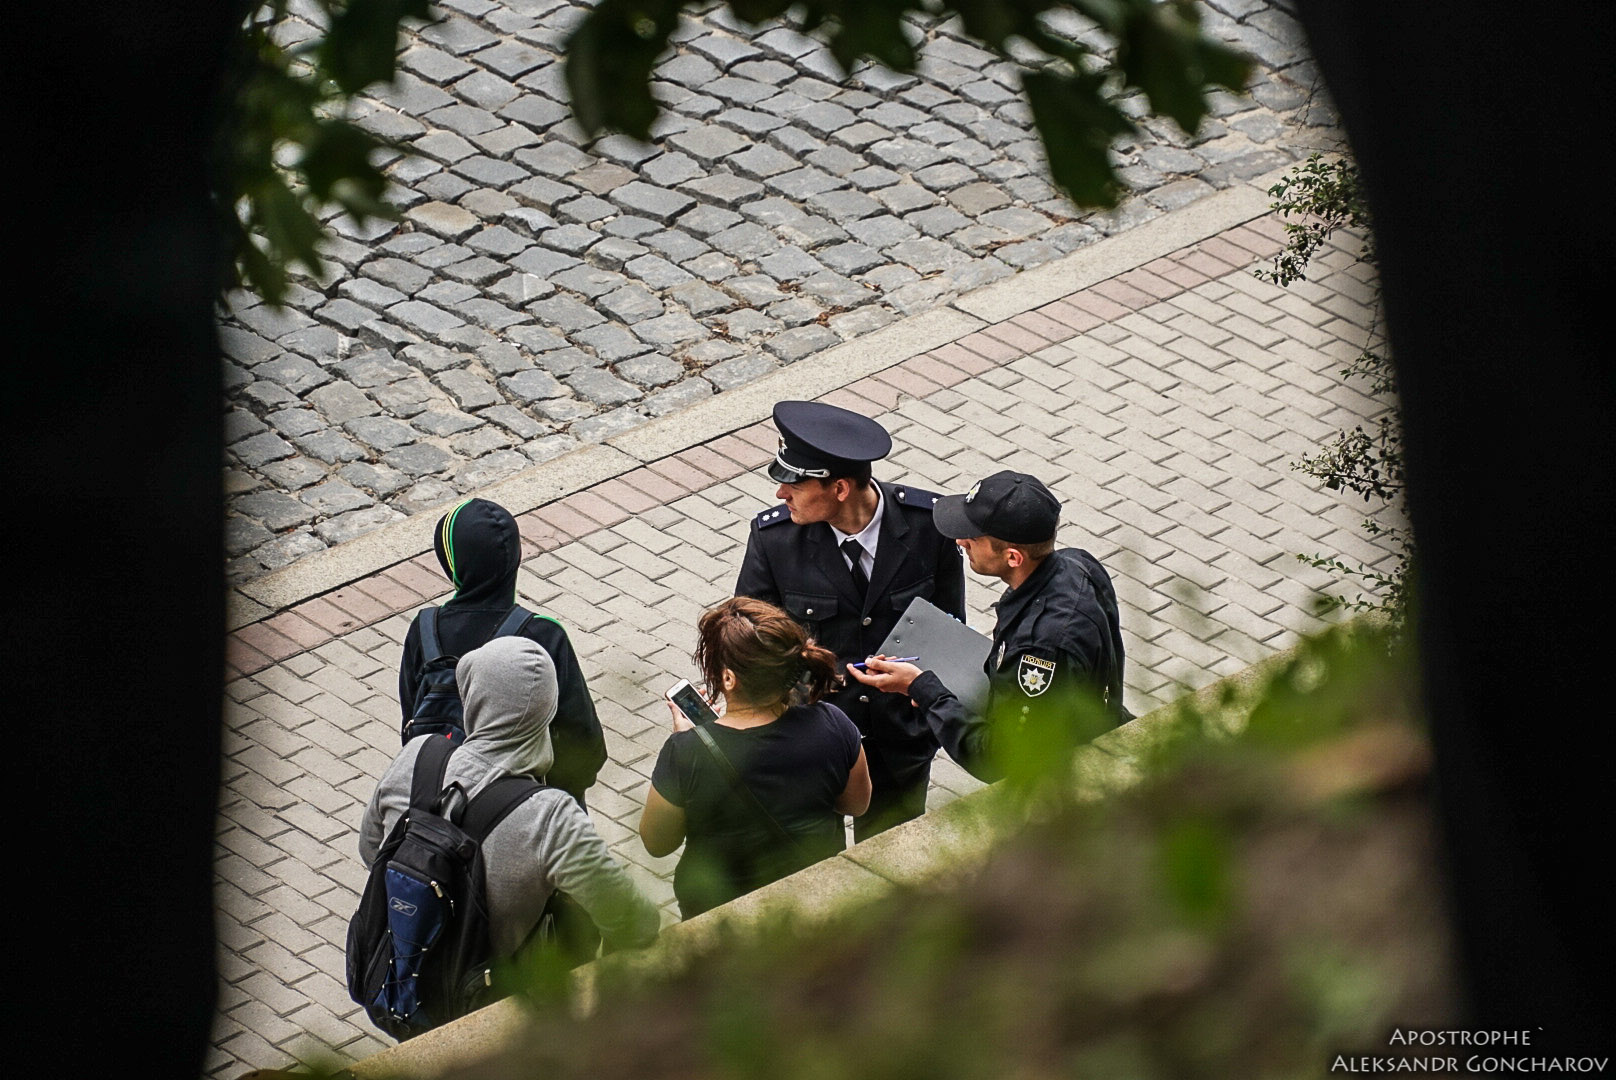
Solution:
(419, 952)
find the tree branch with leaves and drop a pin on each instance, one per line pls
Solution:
(286, 153)
(288, 156)
(1072, 87)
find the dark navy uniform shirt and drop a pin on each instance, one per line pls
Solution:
(1058, 639)
(801, 569)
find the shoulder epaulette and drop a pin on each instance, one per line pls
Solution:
(919, 498)
(772, 516)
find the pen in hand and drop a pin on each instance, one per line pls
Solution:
(890, 660)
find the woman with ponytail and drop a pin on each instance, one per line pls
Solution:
(760, 792)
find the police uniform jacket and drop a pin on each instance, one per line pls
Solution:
(800, 569)
(1057, 638)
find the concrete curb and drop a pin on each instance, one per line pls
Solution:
(1115, 255)
(811, 377)
(324, 571)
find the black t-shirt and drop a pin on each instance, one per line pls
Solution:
(796, 767)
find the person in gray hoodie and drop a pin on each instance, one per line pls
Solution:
(547, 844)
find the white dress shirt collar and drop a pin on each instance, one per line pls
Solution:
(868, 537)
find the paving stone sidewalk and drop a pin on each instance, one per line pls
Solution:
(1163, 405)
(540, 294)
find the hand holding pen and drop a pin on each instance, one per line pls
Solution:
(890, 675)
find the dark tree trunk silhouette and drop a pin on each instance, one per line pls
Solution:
(115, 591)
(1468, 122)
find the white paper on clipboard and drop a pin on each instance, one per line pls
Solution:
(945, 646)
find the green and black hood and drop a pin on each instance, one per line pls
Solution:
(479, 548)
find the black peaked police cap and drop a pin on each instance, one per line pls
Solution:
(824, 441)
(1010, 506)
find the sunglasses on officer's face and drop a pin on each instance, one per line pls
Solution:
(783, 472)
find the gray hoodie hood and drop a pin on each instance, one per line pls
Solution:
(508, 689)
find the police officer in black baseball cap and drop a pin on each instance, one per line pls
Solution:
(844, 555)
(1010, 506)
(1057, 645)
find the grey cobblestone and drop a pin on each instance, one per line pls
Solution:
(847, 183)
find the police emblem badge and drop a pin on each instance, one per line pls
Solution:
(1035, 674)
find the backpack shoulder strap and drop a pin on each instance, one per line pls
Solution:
(495, 802)
(431, 649)
(430, 765)
(513, 622)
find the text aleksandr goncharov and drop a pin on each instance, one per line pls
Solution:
(1500, 1052)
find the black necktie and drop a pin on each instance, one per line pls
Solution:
(854, 551)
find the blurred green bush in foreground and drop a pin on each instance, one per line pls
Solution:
(1264, 897)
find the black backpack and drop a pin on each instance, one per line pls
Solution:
(418, 947)
(437, 708)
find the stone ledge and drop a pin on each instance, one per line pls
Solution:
(811, 377)
(1200, 220)
(322, 571)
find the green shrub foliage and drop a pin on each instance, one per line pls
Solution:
(1319, 198)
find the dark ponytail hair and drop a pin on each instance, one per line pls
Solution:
(768, 651)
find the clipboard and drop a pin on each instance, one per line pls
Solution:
(946, 646)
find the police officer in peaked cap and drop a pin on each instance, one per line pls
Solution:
(1057, 648)
(845, 555)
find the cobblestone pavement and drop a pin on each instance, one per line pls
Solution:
(1164, 405)
(538, 294)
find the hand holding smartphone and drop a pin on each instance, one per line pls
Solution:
(690, 705)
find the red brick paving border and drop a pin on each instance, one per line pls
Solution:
(1106, 310)
(1071, 316)
(684, 477)
(621, 493)
(601, 511)
(1148, 282)
(1038, 323)
(713, 464)
(388, 592)
(1126, 295)
(963, 357)
(986, 345)
(927, 364)
(410, 583)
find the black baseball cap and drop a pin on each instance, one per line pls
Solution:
(824, 441)
(1009, 506)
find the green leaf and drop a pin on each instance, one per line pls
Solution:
(1158, 56)
(339, 153)
(873, 30)
(362, 45)
(756, 12)
(1223, 66)
(1077, 124)
(1196, 864)
(609, 62)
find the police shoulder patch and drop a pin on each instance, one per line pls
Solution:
(772, 516)
(1034, 674)
(919, 498)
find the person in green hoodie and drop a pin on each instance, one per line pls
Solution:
(480, 548)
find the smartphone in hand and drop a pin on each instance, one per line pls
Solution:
(688, 700)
